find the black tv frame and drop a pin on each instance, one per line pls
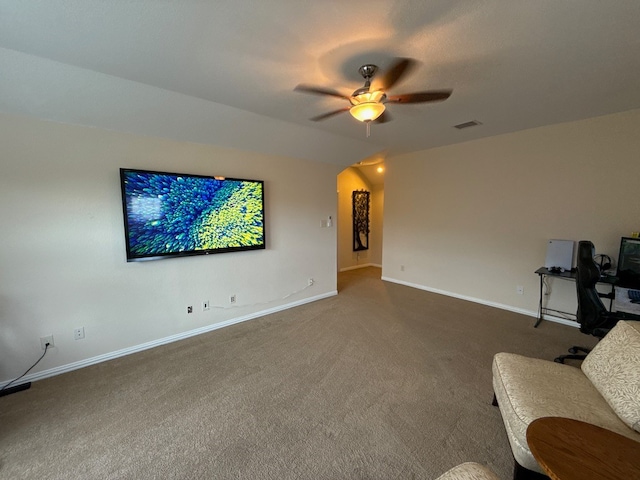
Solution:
(135, 257)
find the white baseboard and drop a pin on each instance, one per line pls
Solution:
(163, 341)
(510, 308)
(364, 265)
(563, 321)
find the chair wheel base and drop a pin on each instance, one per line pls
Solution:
(562, 358)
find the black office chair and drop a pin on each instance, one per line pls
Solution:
(593, 317)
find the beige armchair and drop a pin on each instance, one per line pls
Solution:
(604, 391)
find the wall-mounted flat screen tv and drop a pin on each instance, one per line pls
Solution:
(172, 215)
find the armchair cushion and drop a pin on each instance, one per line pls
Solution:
(613, 367)
(469, 471)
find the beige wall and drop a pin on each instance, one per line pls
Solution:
(472, 220)
(62, 255)
(377, 222)
(349, 180)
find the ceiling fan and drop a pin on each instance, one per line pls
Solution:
(368, 103)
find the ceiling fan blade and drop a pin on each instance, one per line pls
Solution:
(324, 116)
(420, 97)
(399, 69)
(384, 118)
(319, 91)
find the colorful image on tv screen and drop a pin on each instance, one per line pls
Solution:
(170, 214)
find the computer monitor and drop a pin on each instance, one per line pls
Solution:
(629, 263)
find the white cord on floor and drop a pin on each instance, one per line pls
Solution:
(235, 305)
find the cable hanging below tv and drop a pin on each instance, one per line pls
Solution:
(169, 215)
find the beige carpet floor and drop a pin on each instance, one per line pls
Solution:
(381, 381)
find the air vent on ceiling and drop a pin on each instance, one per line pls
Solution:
(471, 123)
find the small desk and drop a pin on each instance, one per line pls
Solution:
(569, 449)
(543, 272)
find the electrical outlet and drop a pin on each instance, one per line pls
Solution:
(310, 282)
(232, 298)
(520, 290)
(206, 305)
(190, 309)
(78, 333)
(44, 340)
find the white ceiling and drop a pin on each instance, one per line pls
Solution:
(194, 69)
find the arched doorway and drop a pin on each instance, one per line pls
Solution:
(367, 176)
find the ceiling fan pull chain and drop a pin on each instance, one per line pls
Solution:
(368, 129)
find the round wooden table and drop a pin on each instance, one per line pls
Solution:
(569, 449)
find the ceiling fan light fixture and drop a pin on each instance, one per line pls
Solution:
(367, 111)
